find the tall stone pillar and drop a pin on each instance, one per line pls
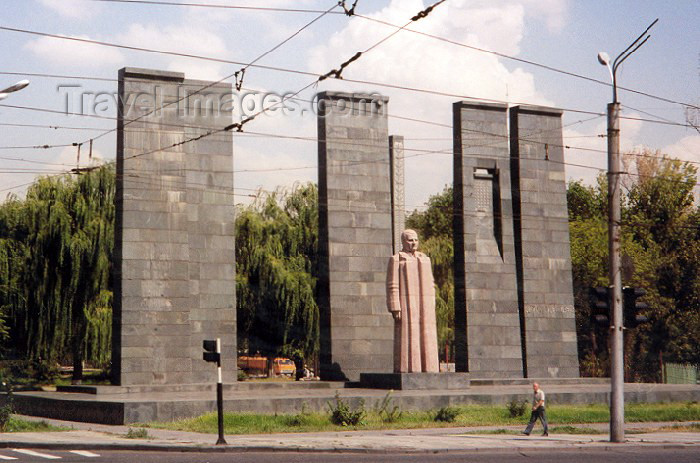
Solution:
(174, 252)
(398, 190)
(355, 235)
(487, 320)
(542, 242)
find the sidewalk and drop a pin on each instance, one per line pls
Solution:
(85, 436)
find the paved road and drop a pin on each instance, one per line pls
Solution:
(636, 455)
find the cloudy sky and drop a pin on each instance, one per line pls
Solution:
(561, 34)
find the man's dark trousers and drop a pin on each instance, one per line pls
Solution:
(539, 413)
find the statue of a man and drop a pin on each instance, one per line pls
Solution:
(410, 294)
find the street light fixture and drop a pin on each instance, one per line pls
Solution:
(14, 88)
(617, 377)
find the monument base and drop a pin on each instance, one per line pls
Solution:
(415, 381)
(292, 398)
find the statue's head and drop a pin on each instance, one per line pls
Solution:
(409, 241)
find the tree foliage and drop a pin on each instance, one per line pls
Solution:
(434, 227)
(276, 259)
(56, 250)
(661, 248)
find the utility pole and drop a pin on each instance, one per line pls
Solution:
(617, 367)
(617, 379)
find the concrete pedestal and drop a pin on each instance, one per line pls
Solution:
(415, 381)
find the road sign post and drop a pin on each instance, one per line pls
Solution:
(212, 353)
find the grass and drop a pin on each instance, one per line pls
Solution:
(478, 415)
(138, 433)
(92, 377)
(691, 427)
(19, 425)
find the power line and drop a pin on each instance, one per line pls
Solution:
(217, 6)
(406, 88)
(425, 34)
(241, 72)
(526, 61)
(239, 125)
(151, 50)
(45, 126)
(280, 69)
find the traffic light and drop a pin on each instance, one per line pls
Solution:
(212, 352)
(632, 307)
(600, 306)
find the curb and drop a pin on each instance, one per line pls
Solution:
(209, 448)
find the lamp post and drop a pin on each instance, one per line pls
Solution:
(617, 368)
(14, 88)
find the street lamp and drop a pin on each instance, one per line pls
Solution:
(617, 377)
(14, 88)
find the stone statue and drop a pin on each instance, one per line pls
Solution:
(410, 294)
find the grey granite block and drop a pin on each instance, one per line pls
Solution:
(355, 236)
(167, 227)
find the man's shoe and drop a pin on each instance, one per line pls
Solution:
(525, 433)
(545, 434)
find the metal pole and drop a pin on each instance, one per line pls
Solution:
(220, 396)
(617, 397)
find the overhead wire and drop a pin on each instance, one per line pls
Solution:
(338, 76)
(241, 72)
(218, 6)
(432, 92)
(294, 71)
(431, 36)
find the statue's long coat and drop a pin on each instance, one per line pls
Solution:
(410, 289)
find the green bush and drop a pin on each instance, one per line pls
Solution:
(300, 419)
(5, 413)
(45, 371)
(6, 409)
(516, 408)
(447, 414)
(387, 411)
(140, 433)
(343, 415)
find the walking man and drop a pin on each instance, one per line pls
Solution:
(537, 411)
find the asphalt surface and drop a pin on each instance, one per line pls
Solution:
(637, 455)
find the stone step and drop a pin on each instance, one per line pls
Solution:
(476, 382)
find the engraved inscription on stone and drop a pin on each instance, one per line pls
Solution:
(548, 311)
(398, 202)
(483, 189)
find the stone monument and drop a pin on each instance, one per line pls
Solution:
(410, 293)
(355, 234)
(174, 270)
(398, 196)
(487, 319)
(410, 296)
(542, 242)
(514, 313)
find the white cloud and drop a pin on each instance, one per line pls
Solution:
(73, 9)
(587, 148)
(685, 149)
(183, 39)
(69, 157)
(554, 12)
(411, 60)
(74, 54)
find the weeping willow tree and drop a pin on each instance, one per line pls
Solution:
(276, 256)
(434, 227)
(55, 256)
